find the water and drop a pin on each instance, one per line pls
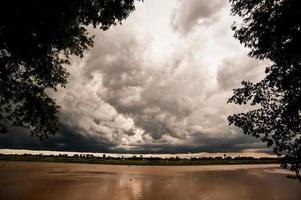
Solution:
(47, 181)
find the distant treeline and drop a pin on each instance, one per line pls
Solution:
(138, 160)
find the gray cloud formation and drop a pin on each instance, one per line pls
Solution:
(232, 70)
(137, 91)
(193, 12)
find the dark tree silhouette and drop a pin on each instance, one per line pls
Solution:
(272, 30)
(37, 37)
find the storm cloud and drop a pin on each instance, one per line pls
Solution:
(145, 88)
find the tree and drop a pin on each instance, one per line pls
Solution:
(272, 30)
(37, 39)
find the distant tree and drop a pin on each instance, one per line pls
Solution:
(272, 30)
(37, 38)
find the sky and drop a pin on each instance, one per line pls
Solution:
(158, 83)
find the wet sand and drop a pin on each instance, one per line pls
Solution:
(47, 181)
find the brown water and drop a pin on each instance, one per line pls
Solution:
(31, 180)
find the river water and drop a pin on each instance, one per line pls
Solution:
(59, 181)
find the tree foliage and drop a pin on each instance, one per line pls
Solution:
(37, 38)
(272, 30)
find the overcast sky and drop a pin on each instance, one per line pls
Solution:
(158, 83)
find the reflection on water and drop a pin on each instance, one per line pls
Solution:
(21, 180)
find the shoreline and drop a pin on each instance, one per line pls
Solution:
(140, 161)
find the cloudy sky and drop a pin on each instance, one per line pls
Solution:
(158, 83)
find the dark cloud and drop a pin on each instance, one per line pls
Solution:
(190, 13)
(68, 140)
